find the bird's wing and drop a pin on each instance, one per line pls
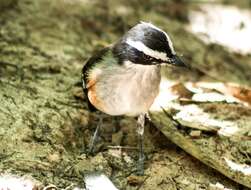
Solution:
(91, 62)
(86, 81)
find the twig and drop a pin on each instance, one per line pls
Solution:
(122, 147)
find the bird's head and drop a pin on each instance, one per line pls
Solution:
(148, 45)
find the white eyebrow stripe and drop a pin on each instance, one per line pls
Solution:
(168, 38)
(146, 50)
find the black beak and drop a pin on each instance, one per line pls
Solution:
(176, 61)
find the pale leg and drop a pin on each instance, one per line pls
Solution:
(94, 138)
(140, 132)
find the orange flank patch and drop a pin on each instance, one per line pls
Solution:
(91, 83)
(92, 95)
(93, 77)
(91, 86)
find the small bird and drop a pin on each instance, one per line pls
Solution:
(124, 78)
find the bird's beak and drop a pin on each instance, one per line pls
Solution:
(176, 61)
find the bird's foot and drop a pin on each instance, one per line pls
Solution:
(140, 165)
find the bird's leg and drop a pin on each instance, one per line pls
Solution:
(94, 138)
(140, 132)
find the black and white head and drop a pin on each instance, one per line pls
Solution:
(148, 45)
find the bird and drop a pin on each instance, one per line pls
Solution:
(124, 78)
